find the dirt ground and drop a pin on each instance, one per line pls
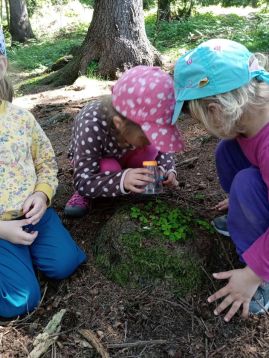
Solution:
(131, 322)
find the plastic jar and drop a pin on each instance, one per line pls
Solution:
(156, 187)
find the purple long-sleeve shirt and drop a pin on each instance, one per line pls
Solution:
(256, 149)
(92, 140)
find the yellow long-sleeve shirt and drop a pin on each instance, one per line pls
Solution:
(27, 160)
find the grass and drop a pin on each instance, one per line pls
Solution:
(39, 55)
(174, 38)
(170, 38)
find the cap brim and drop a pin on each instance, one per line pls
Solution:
(168, 140)
(177, 111)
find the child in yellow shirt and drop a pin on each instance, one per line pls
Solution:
(31, 234)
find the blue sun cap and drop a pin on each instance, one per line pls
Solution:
(3, 58)
(2, 43)
(215, 66)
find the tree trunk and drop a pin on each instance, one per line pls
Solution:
(116, 39)
(19, 26)
(164, 10)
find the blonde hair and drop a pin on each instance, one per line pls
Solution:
(233, 105)
(6, 89)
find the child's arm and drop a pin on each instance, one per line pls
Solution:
(90, 182)
(167, 164)
(44, 162)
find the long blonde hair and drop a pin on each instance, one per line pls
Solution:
(233, 105)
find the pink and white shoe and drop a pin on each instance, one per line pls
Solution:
(77, 206)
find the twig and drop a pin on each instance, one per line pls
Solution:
(136, 344)
(225, 252)
(206, 347)
(94, 341)
(44, 340)
(125, 330)
(187, 161)
(217, 351)
(209, 277)
(180, 305)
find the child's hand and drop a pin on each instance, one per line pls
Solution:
(136, 179)
(171, 180)
(13, 232)
(242, 285)
(35, 206)
(222, 205)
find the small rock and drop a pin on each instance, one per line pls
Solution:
(100, 334)
(202, 186)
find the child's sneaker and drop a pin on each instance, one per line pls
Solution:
(220, 225)
(77, 206)
(260, 301)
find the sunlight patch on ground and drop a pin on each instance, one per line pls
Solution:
(82, 89)
(52, 19)
(218, 10)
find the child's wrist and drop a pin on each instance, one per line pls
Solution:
(43, 196)
(253, 276)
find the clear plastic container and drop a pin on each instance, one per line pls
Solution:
(157, 186)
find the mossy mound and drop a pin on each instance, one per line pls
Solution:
(134, 248)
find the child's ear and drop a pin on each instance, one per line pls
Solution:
(118, 122)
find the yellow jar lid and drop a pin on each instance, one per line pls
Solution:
(150, 163)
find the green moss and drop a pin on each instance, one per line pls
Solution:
(30, 85)
(136, 251)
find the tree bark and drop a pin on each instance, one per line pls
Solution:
(19, 26)
(116, 39)
(164, 10)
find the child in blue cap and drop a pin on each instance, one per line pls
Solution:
(221, 84)
(31, 233)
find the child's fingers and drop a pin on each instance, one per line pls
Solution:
(228, 300)
(28, 238)
(36, 218)
(222, 205)
(235, 307)
(144, 178)
(35, 210)
(134, 189)
(223, 275)
(141, 171)
(23, 222)
(224, 291)
(245, 310)
(139, 183)
(27, 205)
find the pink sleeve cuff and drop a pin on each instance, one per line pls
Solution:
(256, 257)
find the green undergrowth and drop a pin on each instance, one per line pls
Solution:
(41, 54)
(175, 37)
(152, 244)
(30, 85)
(170, 38)
(171, 222)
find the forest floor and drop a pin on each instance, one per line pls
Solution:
(142, 322)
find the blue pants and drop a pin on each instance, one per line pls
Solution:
(53, 252)
(248, 215)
